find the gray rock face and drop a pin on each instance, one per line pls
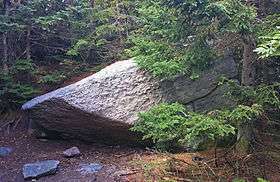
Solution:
(39, 169)
(72, 152)
(5, 151)
(106, 104)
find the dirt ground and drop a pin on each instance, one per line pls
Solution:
(28, 149)
(120, 163)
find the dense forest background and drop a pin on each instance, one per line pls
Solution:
(45, 43)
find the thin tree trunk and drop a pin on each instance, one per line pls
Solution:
(245, 130)
(91, 52)
(5, 38)
(249, 57)
(28, 43)
(118, 20)
(5, 53)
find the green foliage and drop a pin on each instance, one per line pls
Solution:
(158, 58)
(12, 93)
(85, 32)
(177, 37)
(163, 47)
(78, 47)
(268, 33)
(161, 124)
(152, 41)
(260, 104)
(270, 45)
(52, 79)
(15, 87)
(239, 180)
(266, 96)
(16, 94)
(99, 25)
(238, 17)
(240, 114)
(262, 180)
(258, 180)
(23, 66)
(201, 128)
(170, 125)
(245, 113)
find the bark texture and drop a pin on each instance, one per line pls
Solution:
(245, 131)
(28, 42)
(7, 6)
(249, 58)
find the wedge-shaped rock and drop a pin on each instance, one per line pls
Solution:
(39, 169)
(106, 104)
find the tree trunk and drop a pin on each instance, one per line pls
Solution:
(7, 5)
(245, 130)
(92, 21)
(5, 53)
(28, 42)
(249, 57)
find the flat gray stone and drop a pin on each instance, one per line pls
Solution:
(90, 168)
(39, 169)
(5, 151)
(72, 152)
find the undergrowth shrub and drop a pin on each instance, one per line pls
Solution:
(171, 125)
(15, 86)
(52, 78)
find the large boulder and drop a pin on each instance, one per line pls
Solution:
(106, 104)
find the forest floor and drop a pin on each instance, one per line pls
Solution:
(116, 161)
(119, 163)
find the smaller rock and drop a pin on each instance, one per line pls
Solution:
(90, 168)
(72, 152)
(39, 169)
(5, 151)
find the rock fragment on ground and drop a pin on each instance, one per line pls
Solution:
(5, 151)
(72, 152)
(40, 169)
(90, 168)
